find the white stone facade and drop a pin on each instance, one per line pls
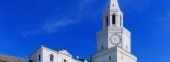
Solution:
(107, 48)
(44, 54)
(113, 41)
(103, 38)
(114, 54)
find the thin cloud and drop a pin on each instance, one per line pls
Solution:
(163, 18)
(54, 25)
(49, 27)
(164, 21)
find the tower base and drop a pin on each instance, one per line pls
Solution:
(114, 54)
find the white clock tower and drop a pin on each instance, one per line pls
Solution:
(113, 41)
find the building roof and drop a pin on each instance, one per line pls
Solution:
(6, 58)
(60, 51)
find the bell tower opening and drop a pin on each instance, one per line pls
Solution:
(113, 19)
(114, 40)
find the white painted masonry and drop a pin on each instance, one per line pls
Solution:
(107, 48)
(58, 56)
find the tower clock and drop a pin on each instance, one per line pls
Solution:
(114, 40)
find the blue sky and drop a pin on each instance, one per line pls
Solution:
(72, 24)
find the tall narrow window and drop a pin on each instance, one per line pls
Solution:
(102, 47)
(65, 60)
(113, 19)
(107, 21)
(126, 47)
(30, 61)
(110, 58)
(120, 20)
(51, 57)
(39, 57)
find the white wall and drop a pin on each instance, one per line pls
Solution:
(102, 40)
(117, 55)
(34, 56)
(59, 56)
(124, 56)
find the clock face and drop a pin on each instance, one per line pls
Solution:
(115, 39)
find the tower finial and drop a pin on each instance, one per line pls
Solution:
(42, 45)
(113, 5)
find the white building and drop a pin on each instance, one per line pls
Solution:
(44, 54)
(114, 40)
(113, 43)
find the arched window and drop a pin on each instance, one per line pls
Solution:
(113, 19)
(30, 61)
(110, 58)
(51, 57)
(102, 47)
(39, 57)
(126, 47)
(65, 60)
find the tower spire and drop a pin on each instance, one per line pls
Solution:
(113, 5)
(113, 17)
(114, 40)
